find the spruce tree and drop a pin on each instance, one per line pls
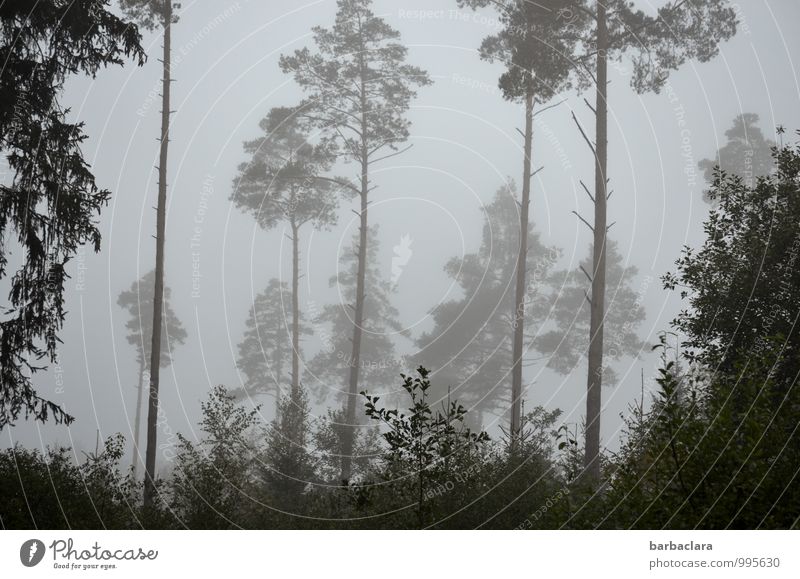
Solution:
(50, 202)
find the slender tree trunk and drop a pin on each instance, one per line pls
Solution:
(522, 261)
(355, 359)
(138, 420)
(595, 374)
(295, 310)
(348, 442)
(158, 293)
(278, 364)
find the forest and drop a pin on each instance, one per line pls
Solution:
(348, 301)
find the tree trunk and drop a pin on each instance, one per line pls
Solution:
(295, 310)
(158, 292)
(348, 442)
(522, 261)
(355, 359)
(281, 322)
(138, 419)
(595, 373)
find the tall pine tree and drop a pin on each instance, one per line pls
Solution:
(358, 90)
(656, 45)
(153, 14)
(279, 184)
(538, 48)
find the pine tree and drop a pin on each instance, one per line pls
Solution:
(329, 433)
(379, 363)
(656, 45)
(747, 153)
(566, 344)
(152, 14)
(358, 90)
(279, 184)
(470, 347)
(138, 301)
(538, 48)
(265, 352)
(49, 206)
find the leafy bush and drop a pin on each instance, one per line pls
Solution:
(52, 490)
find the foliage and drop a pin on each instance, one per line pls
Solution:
(565, 344)
(379, 361)
(655, 43)
(469, 347)
(138, 301)
(288, 465)
(265, 350)
(50, 206)
(711, 454)
(329, 433)
(358, 87)
(279, 181)
(52, 490)
(149, 14)
(422, 441)
(678, 33)
(536, 44)
(209, 483)
(743, 284)
(747, 153)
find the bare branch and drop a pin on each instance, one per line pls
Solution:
(585, 138)
(561, 102)
(389, 156)
(582, 219)
(585, 188)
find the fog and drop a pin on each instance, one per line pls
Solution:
(429, 200)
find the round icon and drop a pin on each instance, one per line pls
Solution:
(31, 553)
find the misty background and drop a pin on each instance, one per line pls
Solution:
(465, 147)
